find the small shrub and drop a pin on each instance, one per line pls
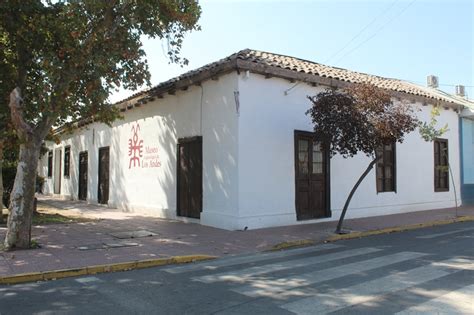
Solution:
(34, 244)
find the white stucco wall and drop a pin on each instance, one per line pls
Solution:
(248, 157)
(208, 111)
(268, 119)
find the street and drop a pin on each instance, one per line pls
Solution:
(425, 271)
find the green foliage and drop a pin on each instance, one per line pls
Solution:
(428, 131)
(34, 244)
(68, 56)
(6, 86)
(54, 218)
(360, 118)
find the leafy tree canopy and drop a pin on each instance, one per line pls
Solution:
(428, 131)
(360, 118)
(68, 56)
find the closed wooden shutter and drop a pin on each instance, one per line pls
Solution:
(386, 168)
(441, 165)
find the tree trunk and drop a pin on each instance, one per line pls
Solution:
(22, 198)
(23, 192)
(346, 205)
(454, 189)
(1, 182)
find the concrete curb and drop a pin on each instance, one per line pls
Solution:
(92, 270)
(353, 235)
(398, 229)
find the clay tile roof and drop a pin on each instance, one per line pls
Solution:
(252, 60)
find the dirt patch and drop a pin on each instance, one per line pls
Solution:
(47, 214)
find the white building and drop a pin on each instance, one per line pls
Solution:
(219, 144)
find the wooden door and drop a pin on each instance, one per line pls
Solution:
(189, 179)
(312, 177)
(83, 160)
(103, 185)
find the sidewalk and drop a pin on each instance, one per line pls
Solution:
(76, 245)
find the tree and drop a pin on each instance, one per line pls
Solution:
(65, 58)
(361, 118)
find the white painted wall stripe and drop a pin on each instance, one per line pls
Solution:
(246, 274)
(280, 287)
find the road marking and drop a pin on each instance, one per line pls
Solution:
(371, 291)
(455, 302)
(280, 287)
(88, 280)
(445, 233)
(244, 275)
(243, 259)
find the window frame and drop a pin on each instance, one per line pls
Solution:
(50, 164)
(383, 162)
(67, 161)
(438, 188)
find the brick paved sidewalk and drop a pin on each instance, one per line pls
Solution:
(91, 243)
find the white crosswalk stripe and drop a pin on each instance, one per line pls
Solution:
(372, 291)
(455, 302)
(244, 275)
(232, 261)
(282, 287)
(259, 276)
(444, 233)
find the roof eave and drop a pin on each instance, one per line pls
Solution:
(314, 79)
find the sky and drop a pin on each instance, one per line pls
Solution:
(403, 39)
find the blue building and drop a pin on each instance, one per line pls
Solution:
(466, 129)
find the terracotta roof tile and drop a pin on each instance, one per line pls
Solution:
(263, 59)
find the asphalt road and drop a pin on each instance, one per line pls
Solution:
(426, 271)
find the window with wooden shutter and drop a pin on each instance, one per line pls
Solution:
(441, 165)
(385, 172)
(67, 160)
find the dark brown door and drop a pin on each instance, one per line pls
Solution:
(103, 193)
(312, 177)
(189, 177)
(83, 160)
